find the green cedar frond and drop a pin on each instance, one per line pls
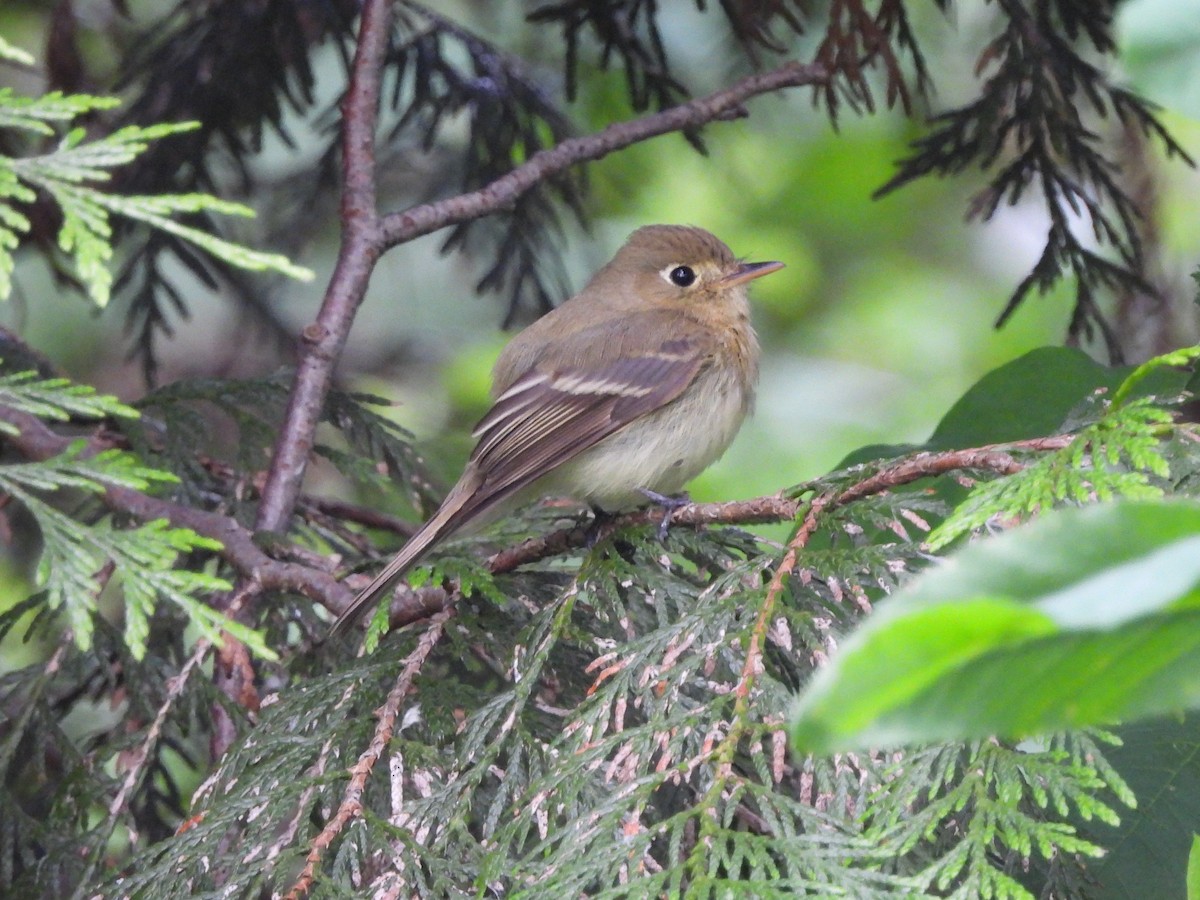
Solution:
(14, 54)
(74, 469)
(57, 782)
(77, 555)
(58, 399)
(33, 113)
(570, 742)
(270, 785)
(996, 799)
(1120, 455)
(71, 174)
(1181, 357)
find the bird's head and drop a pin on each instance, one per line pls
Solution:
(663, 265)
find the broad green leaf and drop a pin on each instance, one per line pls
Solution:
(1036, 395)
(1033, 396)
(1148, 853)
(1083, 617)
(1193, 869)
(1029, 397)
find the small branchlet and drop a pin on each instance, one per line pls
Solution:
(1034, 127)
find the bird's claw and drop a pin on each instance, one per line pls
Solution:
(668, 506)
(600, 518)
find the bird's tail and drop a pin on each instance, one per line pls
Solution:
(443, 523)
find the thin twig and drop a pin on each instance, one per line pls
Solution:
(397, 228)
(285, 838)
(363, 515)
(351, 805)
(753, 663)
(325, 338)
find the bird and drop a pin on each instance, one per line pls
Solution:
(624, 392)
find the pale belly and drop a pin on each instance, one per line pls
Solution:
(662, 452)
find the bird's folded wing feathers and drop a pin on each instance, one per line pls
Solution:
(548, 417)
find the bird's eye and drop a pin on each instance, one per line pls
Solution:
(682, 276)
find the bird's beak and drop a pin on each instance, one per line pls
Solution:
(748, 272)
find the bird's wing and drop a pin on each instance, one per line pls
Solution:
(549, 416)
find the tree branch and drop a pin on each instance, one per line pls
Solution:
(324, 339)
(35, 440)
(397, 228)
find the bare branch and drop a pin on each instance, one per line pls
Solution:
(324, 338)
(397, 228)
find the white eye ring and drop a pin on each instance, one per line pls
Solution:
(680, 276)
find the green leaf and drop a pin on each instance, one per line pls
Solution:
(1147, 851)
(1034, 396)
(156, 210)
(1085, 616)
(377, 625)
(1193, 869)
(1029, 397)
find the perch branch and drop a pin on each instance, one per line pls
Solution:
(35, 440)
(778, 508)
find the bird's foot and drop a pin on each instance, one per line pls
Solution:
(600, 518)
(668, 506)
